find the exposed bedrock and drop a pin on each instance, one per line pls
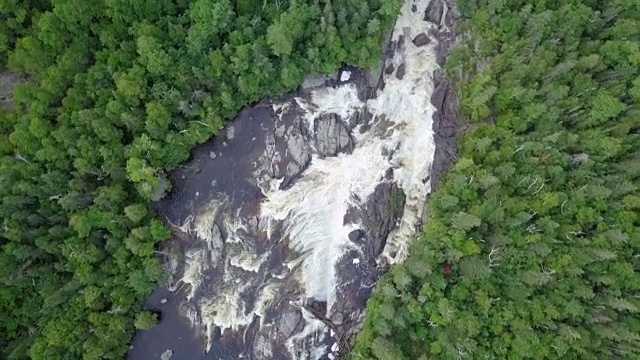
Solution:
(378, 216)
(331, 135)
(445, 119)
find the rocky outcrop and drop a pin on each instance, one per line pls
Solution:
(389, 70)
(445, 120)
(289, 323)
(445, 124)
(378, 215)
(434, 11)
(437, 9)
(331, 136)
(421, 39)
(402, 69)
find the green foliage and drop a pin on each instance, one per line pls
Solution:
(145, 320)
(532, 246)
(118, 93)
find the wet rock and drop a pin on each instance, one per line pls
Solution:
(389, 69)
(402, 69)
(391, 49)
(166, 355)
(361, 117)
(388, 175)
(445, 124)
(289, 323)
(421, 39)
(215, 245)
(253, 223)
(383, 209)
(452, 14)
(414, 8)
(400, 41)
(356, 235)
(300, 155)
(316, 306)
(331, 135)
(434, 12)
(445, 42)
(337, 318)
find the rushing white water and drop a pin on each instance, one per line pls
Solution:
(315, 206)
(311, 212)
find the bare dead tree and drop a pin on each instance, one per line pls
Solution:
(495, 256)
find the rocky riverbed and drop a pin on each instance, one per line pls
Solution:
(285, 221)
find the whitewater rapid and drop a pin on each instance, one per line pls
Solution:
(275, 266)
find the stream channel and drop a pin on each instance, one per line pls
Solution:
(284, 222)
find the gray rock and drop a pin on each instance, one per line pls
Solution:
(163, 301)
(215, 245)
(253, 223)
(388, 175)
(212, 154)
(337, 319)
(299, 156)
(356, 235)
(402, 69)
(391, 49)
(445, 124)
(378, 215)
(421, 39)
(434, 12)
(452, 13)
(383, 209)
(289, 323)
(331, 136)
(389, 69)
(166, 355)
(446, 39)
(361, 117)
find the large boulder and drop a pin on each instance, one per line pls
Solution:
(331, 135)
(434, 12)
(421, 39)
(289, 323)
(166, 355)
(402, 70)
(445, 124)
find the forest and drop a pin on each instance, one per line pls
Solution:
(114, 94)
(532, 245)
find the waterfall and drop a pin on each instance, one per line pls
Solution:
(288, 238)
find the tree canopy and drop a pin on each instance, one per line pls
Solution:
(532, 245)
(117, 93)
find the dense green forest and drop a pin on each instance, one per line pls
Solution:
(116, 93)
(532, 246)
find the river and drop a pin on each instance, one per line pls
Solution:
(284, 222)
